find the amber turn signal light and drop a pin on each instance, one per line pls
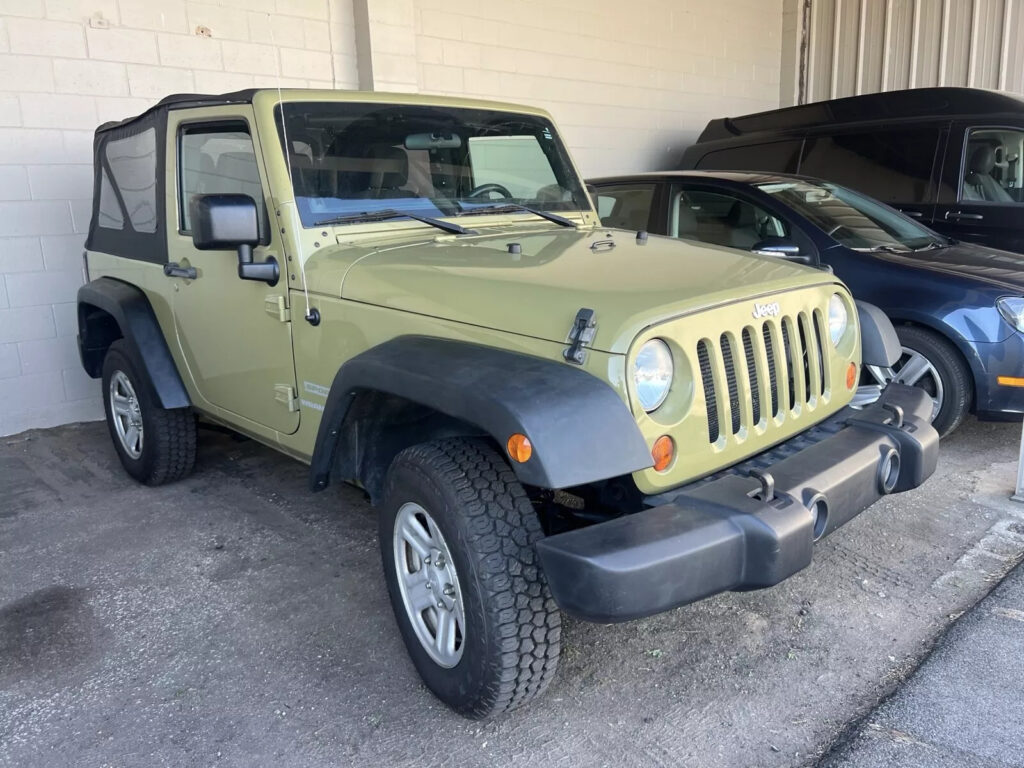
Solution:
(1010, 381)
(851, 375)
(520, 448)
(663, 451)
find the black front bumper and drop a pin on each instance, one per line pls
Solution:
(749, 528)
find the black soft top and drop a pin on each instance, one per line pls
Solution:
(889, 105)
(177, 100)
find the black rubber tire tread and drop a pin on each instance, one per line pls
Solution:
(497, 531)
(957, 383)
(169, 435)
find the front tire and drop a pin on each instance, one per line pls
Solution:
(931, 363)
(156, 445)
(480, 626)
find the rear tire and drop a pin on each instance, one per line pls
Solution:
(155, 445)
(463, 502)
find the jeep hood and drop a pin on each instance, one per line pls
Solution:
(482, 280)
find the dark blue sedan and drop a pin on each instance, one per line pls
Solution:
(958, 308)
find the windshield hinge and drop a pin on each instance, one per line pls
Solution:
(275, 307)
(582, 332)
(285, 393)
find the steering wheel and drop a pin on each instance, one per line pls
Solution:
(486, 189)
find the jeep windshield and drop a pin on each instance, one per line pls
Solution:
(852, 219)
(349, 161)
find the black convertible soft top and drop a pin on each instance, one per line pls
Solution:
(176, 100)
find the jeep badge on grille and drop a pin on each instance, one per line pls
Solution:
(766, 310)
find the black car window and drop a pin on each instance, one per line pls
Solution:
(627, 206)
(992, 166)
(894, 166)
(721, 219)
(779, 156)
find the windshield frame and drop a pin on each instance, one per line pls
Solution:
(886, 219)
(575, 205)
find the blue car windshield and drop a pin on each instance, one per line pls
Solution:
(353, 158)
(850, 218)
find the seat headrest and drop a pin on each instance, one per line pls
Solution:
(742, 215)
(983, 159)
(390, 168)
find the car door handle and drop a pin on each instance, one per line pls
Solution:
(914, 214)
(959, 215)
(173, 269)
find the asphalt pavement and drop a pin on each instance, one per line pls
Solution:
(234, 619)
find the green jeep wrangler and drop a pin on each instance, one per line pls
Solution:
(414, 294)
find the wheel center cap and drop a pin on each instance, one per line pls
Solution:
(440, 580)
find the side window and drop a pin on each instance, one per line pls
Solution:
(132, 162)
(721, 219)
(625, 207)
(779, 156)
(992, 166)
(110, 216)
(894, 166)
(217, 159)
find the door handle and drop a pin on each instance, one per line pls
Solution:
(959, 215)
(173, 269)
(913, 214)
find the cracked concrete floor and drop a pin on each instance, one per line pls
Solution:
(234, 619)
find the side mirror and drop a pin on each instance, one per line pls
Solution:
(780, 248)
(220, 222)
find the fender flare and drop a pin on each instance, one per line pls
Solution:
(134, 315)
(580, 428)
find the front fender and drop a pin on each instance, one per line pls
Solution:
(580, 429)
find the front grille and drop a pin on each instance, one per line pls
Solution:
(781, 372)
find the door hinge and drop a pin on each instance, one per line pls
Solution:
(275, 307)
(285, 393)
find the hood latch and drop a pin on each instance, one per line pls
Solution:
(582, 333)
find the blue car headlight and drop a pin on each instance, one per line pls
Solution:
(1012, 310)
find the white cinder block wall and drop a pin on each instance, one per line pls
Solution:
(630, 84)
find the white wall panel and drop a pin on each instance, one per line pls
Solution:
(864, 46)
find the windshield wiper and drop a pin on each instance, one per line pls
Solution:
(391, 213)
(932, 246)
(516, 207)
(887, 248)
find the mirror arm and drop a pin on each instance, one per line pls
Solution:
(264, 271)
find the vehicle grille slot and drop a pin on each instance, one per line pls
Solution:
(704, 359)
(822, 352)
(787, 358)
(810, 377)
(730, 380)
(769, 349)
(755, 379)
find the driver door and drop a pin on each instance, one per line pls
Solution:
(234, 335)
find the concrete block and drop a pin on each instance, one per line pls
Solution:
(310, 9)
(62, 253)
(317, 35)
(100, 78)
(10, 365)
(35, 217)
(77, 145)
(118, 44)
(81, 213)
(31, 289)
(157, 82)
(60, 182)
(25, 324)
(26, 73)
(41, 390)
(163, 16)
(189, 51)
(80, 11)
(41, 37)
(64, 110)
(251, 58)
(48, 355)
(223, 22)
(20, 254)
(10, 111)
(14, 183)
(65, 317)
(107, 109)
(305, 64)
(277, 30)
(78, 385)
(224, 82)
(27, 8)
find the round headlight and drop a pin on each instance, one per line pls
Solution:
(652, 374)
(838, 318)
